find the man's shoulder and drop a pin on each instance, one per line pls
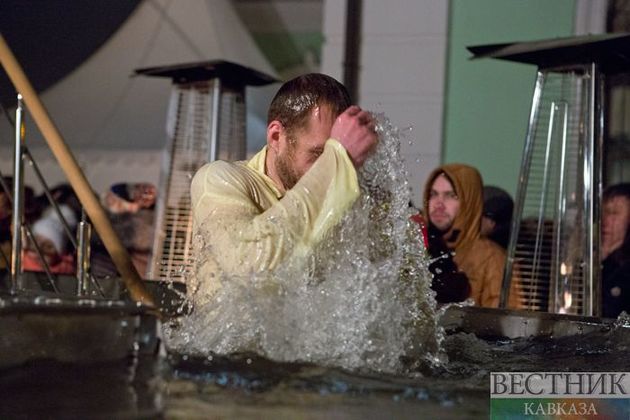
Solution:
(222, 166)
(221, 175)
(492, 245)
(220, 170)
(488, 249)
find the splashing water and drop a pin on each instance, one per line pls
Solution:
(364, 301)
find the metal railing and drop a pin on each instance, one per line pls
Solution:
(21, 228)
(55, 141)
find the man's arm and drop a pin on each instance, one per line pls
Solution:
(244, 239)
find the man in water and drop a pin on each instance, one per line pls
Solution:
(453, 199)
(255, 215)
(615, 250)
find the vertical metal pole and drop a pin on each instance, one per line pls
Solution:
(543, 199)
(560, 282)
(84, 233)
(352, 53)
(592, 187)
(597, 194)
(216, 112)
(18, 198)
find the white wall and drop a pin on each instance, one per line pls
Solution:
(403, 55)
(590, 16)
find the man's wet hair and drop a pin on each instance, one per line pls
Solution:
(299, 96)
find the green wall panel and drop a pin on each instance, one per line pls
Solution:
(488, 101)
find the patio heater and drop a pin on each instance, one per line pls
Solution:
(555, 238)
(205, 122)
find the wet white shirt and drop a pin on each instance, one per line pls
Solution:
(243, 225)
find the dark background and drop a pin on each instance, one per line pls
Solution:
(76, 28)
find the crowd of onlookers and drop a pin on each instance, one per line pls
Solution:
(467, 229)
(48, 238)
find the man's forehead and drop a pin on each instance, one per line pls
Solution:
(320, 120)
(439, 179)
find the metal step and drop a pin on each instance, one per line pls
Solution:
(494, 323)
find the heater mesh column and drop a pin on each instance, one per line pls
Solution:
(550, 250)
(190, 138)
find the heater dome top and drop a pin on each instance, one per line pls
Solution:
(610, 51)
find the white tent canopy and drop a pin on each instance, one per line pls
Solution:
(115, 123)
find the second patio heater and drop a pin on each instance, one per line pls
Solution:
(205, 122)
(555, 239)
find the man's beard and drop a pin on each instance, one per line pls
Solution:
(445, 225)
(286, 173)
(447, 233)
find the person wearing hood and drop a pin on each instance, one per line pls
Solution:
(453, 200)
(256, 215)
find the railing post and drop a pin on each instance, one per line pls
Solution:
(84, 233)
(18, 200)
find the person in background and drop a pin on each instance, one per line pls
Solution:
(131, 210)
(130, 197)
(62, 194)
(453, 204)
(51, 238)
(5, 224)
(418, 218)
(32, 211)
(497, 215)
(615, 250)
(449, 284)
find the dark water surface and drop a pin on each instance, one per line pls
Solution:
(248, 386)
